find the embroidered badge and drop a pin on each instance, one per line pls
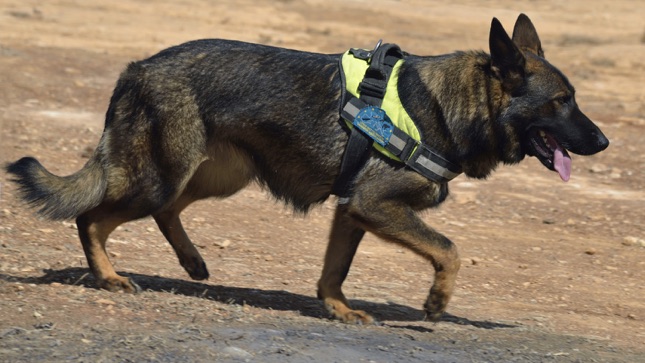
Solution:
(375, 123)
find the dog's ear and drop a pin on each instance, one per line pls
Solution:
(507, 61)
(526, 37)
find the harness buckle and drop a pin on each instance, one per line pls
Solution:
(366, 55)
(376, 47)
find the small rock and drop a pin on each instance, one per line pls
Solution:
(55, 284)
(548, 221)
(590, 251)
(629, 241)
(37, 315)
(223, 244)
(115, 254)
(468, 261)
(70, 225)
(633, 241)
(465, 197)
(44, 326)
(599, 168)
(268, 258)
(235, 352)
(536, 249)
(105, 302)
(46, 230)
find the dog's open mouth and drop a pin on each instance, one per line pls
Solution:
(547, 149)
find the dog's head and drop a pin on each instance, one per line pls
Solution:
(542, 114)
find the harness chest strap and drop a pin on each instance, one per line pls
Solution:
(408, 150)
(368, 81)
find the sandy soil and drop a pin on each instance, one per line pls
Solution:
(552, 271)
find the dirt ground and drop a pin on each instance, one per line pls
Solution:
(551, 271)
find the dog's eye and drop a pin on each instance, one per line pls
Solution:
(562, 101)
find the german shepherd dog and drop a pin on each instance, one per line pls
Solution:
(206, 118)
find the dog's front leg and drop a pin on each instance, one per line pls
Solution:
(395, 221)
(343, 241)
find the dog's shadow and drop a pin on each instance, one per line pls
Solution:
(265, 299)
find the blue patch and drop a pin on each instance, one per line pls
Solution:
(375, 123)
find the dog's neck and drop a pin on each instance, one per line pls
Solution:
(456, 102)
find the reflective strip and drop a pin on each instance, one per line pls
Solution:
(351, 109)
(420, 160)
(435, 168)
(397, 143)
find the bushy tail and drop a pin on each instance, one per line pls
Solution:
(59, 197)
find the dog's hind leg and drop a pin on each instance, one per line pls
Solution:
(344, 238)
(93, 230)
(226, 171)
(171, 227)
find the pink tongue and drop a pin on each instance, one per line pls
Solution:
(562, 163)
(561, 159)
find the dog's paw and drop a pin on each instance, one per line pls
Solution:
(119, 283)
(197, 269)
(435, 306)
(357, 317)
(433, 316)
(340, 311)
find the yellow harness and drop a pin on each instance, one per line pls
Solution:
(354, 69)
(375, 114)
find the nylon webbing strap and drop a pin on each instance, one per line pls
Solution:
(382, 60)
(414, 154)
(356, 153)
(372, 90)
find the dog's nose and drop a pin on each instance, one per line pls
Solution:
(603, 142)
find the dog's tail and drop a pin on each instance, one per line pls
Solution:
(59, 197)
